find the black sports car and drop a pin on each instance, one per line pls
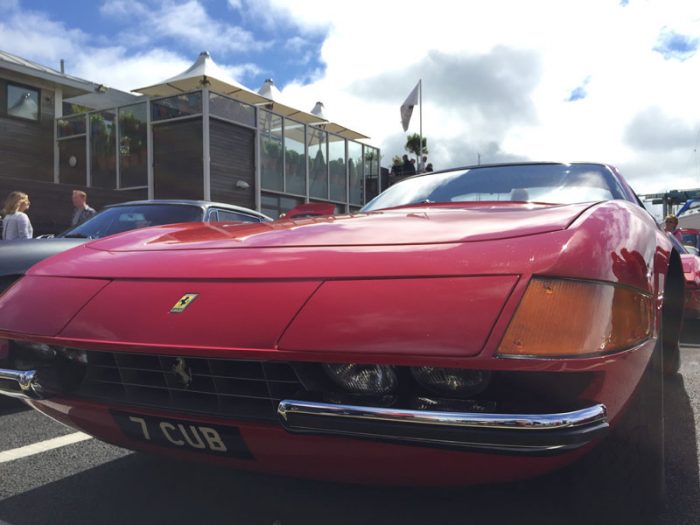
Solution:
(16, 257)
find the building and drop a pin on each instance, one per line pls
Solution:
(196, 135)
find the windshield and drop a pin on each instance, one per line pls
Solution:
(676, 243)
(551, 183)
(123, 218)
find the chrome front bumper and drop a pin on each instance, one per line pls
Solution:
(22, 384)
(516, 433)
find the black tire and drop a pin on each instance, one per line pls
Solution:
(623, 478)
(672, 358)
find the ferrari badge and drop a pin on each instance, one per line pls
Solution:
(183, 303)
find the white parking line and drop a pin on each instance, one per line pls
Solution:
(42, 446)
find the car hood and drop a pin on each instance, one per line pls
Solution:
(428, 224)
(17, 256)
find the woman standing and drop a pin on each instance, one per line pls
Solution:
(16, 224)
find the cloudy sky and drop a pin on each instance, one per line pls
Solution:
(616, 81)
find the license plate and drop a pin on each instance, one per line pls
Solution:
(209, 439)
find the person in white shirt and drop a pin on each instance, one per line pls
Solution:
(16, 224)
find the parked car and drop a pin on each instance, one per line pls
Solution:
(16, 257)
(446, 335)
(691, 272)
(691, 238)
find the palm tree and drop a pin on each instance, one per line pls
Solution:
(413, 145)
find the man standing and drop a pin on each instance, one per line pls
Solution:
(81, 210)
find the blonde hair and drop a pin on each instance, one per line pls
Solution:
(13, 202)
(80, 193)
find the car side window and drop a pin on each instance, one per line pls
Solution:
(232, 216)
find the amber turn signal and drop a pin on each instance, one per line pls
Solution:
(565, 318)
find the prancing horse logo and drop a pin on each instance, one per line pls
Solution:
(183, 372)
(183, 303)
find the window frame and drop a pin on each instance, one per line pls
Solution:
(19, 85)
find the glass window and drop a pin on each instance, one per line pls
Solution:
(71, 161)
(71, 126)
(274, 205)
(318, 163)
(230, 109)
(73, 109)
(295, 157)
(123, 218)
(133, 155)
(371, 173)
(337, 168)
(22, 102)
(178, 106)
(232, 216)
(103, 157)
(356, 169)
(270, 127)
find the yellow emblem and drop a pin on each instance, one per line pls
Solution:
(183, 303)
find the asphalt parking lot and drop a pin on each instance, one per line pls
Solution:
(92, 482)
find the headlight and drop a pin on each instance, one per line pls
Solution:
(363, 379)
(451, 381)
(565, 318)
(35, 350)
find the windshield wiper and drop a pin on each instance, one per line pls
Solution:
(77, 236)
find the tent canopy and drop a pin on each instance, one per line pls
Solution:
(332, 127)
(270, 92)
(203, 73)
(206, 73)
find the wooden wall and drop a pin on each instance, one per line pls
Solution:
(232, 150)
(51, 209)
(178, 171)
(26, 147)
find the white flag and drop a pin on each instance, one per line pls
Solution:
(407, 106)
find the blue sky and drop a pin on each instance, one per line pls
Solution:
(235, 35)
(614, 81)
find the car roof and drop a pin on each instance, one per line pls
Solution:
(190, 202)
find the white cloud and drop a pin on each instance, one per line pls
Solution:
(188, 21)
(497, 74)
(478, 102)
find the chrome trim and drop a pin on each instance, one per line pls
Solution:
(516, 432)
(28, 386)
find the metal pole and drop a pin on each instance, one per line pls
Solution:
(206, 166)
(420, 142)
(88, 156)
(258, 168)
(117, 153)
(149, 152)
(58, 113)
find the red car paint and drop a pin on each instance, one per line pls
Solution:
(379, 288)
(691, 272)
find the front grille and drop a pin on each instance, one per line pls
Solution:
(220, 387)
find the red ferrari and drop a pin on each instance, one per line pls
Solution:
(691, 272)
(484, 324)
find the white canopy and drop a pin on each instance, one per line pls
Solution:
(203, 73)
(332, 127)
(270, 92)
